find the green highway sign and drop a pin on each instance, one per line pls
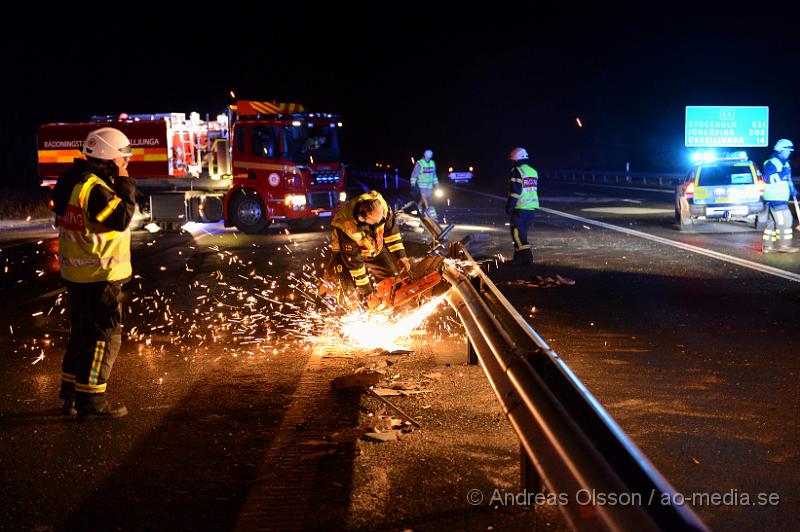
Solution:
(709, 126)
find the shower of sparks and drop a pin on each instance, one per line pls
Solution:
(242, 308)
(371, 330)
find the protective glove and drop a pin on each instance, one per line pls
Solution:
(404, 263)
(375, 303)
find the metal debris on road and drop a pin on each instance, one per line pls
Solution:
(542, 282)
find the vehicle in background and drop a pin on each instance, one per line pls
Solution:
(260, 162)
(461, 174)
(721, 188)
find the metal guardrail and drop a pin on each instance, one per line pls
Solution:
(569, 444)
(390, 180)
(663, 180)
(650, 179)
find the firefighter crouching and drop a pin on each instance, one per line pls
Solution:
(94, 202)
(366, 242)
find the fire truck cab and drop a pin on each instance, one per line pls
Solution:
(286, 167)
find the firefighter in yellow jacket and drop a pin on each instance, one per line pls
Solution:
(94, 202)
(424, 180)
(366, 242)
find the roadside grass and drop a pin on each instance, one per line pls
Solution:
(19, 204)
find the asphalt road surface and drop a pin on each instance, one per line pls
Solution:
(688, 340)
(691, 344)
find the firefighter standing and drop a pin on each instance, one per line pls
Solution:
(366, 240)
(424, 179)
(523, 200)
(94, 202)
(778, 187)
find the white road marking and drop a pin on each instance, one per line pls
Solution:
(763, 268)
(627, 210)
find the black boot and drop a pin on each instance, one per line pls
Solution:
(67, 395)
(523, 258)
(68, 407)
(95, 406)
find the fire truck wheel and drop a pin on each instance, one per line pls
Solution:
(247, 213)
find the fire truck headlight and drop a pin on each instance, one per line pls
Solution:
(342, 196)
(295, 200)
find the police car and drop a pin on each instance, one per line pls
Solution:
(721, 188)
(461, 174)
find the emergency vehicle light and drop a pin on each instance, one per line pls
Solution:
(704, 157)
(711, 156)
(295, 200)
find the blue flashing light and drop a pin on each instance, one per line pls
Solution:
(711, 156)
(326, 178)
(704, 156)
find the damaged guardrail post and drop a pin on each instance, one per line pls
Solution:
(571, 443)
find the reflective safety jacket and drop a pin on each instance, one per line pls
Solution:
(778, 185)
(523, 189)
(93, 236)
(357, 242)
(425, 176)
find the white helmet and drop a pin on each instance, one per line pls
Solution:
(428, 154)
(784, 144)
(106, 144)
(518, 154)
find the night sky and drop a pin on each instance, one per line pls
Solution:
(467, 83)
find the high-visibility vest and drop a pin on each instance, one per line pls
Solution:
(87, 251)
(426, 178)
(776, 187)
(369, 245)
(529, 198)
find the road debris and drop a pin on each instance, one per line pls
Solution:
(357, 380)
(393, 407)
(380, 436)
(542, 282)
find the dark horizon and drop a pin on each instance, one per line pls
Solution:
(470, 91)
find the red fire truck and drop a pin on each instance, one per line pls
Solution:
(258, 163)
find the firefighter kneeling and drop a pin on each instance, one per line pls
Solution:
(366, 242)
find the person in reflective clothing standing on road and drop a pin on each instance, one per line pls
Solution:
(778, 187)
(523, 200)
(94, 202)
(424, 179)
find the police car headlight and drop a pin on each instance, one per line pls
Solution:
(295, 200)
(342, 196)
